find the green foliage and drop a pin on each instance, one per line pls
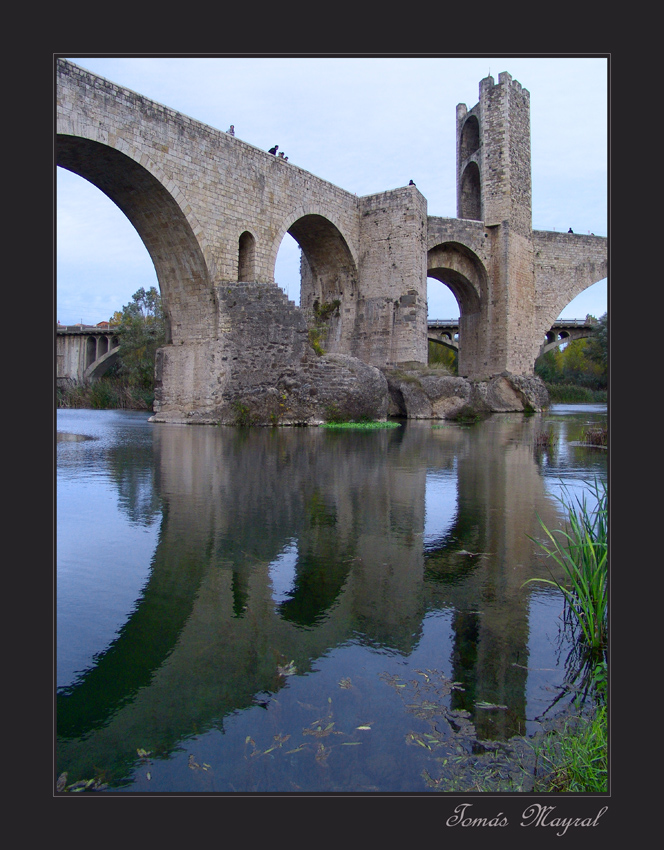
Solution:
(581, 363)
(444, 357)
(573, 394)
(577, 759)
(242, 415)
(141, 331)
(314, 341)
(104, 394)
(598, 346)
(323, 311)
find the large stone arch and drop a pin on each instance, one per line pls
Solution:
(162, 224)
(462, 271)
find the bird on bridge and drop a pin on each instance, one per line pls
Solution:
(274, 149)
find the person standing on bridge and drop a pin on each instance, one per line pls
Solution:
(231, 130)
(274, 150)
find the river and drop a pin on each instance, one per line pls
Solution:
(307, 610)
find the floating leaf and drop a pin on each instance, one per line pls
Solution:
(363, 727)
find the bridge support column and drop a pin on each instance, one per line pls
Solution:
(508, 314)
(391, 312)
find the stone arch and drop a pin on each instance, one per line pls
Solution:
(470, 197)
(462, 271)
(469, 141)
(246, 266)
(159, 218)
(328, 272)
(102, 364)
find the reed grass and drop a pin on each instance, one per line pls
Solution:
(595, 435)
(581, 550)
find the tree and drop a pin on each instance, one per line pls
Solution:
(598, 347)
(141, 331)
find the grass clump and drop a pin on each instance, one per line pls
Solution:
(576, 759)
(596, 435)
(581, 549)
(359, 426)
(545, 439)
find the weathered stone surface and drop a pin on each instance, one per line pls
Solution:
(506, 393)
(266, 370)
(421, 394)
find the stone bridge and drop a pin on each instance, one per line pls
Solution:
(446, 332)
(212, 211)
(84, 352)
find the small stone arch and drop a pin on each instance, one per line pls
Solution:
(246, 266)
(462, 271)
(469, 141)
(470, 193)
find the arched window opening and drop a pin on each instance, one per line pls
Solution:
(247, 258)
(90, 351)
(470, 201)
(470, 138)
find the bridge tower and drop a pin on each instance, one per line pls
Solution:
(494, 187)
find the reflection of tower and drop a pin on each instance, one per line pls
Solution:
(494, 187)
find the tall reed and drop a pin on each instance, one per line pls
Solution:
(581, 549)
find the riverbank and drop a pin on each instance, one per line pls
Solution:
(103, 394)
(574, 394)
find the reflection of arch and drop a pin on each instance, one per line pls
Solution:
(157, 216)
(463, 272)
(246, 267)
(470, 200)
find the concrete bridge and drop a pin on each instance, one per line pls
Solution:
(446, 332)
(212, 211)
(84, 352)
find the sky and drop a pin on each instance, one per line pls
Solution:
(367, 124)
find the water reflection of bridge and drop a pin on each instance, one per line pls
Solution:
(353, 524)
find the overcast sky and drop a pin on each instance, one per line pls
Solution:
(367, 125)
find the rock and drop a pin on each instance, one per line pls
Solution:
(422, 393)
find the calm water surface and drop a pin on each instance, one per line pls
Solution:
(299, 609)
